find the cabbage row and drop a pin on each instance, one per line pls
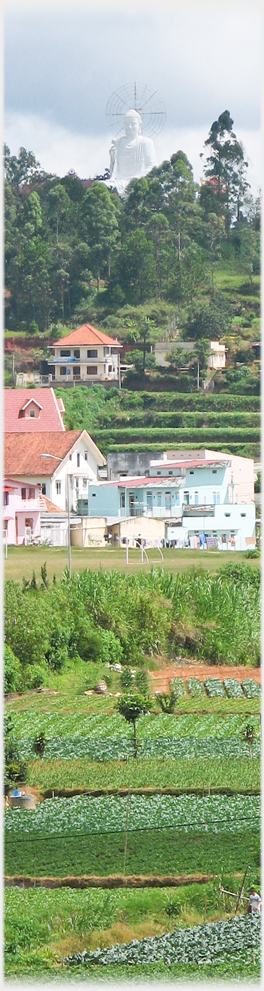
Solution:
(89, 814)
(97, 725)
(204, 944)
(121, 748)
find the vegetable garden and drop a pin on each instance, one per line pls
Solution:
(189, 804)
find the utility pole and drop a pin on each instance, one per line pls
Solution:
(68, 502)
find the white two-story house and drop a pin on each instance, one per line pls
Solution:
(86, 355)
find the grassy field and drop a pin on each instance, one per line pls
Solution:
(21, 561)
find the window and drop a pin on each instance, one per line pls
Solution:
(92, 353)
(91, 370)
(78, 459)
(177, 498)
(167, 500)
(23, 493)
(216, 498)
(86, 456)
(65, 353)
(58, 488)
(170, 472)
(32, 412)
(227, 514)
(158, 472)
(109, 368)
(85, 483)
(196, 499)
(186, 498)
(43, 488)
(243, 514)
(76, 371)
(158, 498)
(6, 498)
(31, 493)
(63, 370)
(70, 457)
(149, 500)
(29, 522)
(77, 484)
(76, 352)
(122, 500)
(191, 472)
(214, 471)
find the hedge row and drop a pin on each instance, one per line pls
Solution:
(243, 450)
(149, 418)
(199, 401)
(216, 435)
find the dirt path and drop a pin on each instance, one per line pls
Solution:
(192, 669)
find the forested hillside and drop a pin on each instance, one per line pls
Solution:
(173, 251)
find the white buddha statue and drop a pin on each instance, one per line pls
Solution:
(132, 155)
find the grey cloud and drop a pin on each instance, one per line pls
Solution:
(64, 67)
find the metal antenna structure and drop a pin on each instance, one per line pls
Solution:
(142, 99)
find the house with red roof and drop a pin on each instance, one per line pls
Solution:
(86, 355)
(32, 411)
(53, 462)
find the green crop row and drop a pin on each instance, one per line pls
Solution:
(165, 851)
(179, 773)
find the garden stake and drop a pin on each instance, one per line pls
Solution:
(127, 814)
(241, 890)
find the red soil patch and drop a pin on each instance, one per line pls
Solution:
(193, 669)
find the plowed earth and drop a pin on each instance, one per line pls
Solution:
(188, 669)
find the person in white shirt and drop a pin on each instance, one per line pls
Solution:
(254, 903)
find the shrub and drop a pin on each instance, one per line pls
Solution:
(142, 682)
(57, 653)
(33, 676)
(126, 679)
(15, 768)
(12, 671)
(39, 744)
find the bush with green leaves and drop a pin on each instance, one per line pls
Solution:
(12, 671)
(131, 706)
(126, 678)
(142, 681)
(15, 768)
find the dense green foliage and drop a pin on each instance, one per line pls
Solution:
(107, 617)
(163, 242)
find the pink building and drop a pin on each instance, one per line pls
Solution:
(21, 516)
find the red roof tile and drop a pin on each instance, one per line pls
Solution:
(48, 407)
(25, 457)
(86, 335)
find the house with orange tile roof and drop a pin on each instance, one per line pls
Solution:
(32, 410)
(86, 355)
(46, 459)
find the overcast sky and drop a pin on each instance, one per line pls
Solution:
(64, 60)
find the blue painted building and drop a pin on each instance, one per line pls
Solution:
(197, 498)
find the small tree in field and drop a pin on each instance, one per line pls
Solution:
(131, 706)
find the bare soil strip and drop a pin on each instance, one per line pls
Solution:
(111, 881)
(193, 669)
